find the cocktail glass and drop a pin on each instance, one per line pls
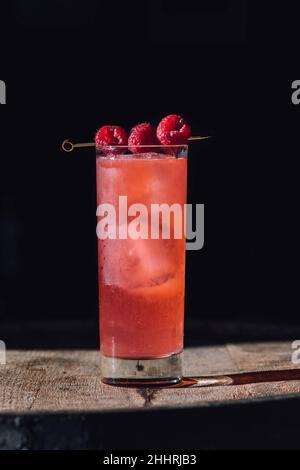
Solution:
(141, 201)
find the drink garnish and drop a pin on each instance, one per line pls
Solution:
(173, 130)
(142, 134)
(108, 138)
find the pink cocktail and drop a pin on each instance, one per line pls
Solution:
(142, 280)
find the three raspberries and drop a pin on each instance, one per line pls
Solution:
(172, 130)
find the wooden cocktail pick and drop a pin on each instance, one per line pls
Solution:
(69, 146)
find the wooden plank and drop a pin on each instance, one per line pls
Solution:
(59, 380)
(210, 360)
(262, 356)
(64, 381)
(19, 388)
(229, 360)
(70, 380)
(203, 396)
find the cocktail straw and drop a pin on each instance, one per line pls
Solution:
(69, 146)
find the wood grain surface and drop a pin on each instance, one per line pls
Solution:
(37, 381)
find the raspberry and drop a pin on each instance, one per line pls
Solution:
(112, 137)
(173, 130)
(142, 134)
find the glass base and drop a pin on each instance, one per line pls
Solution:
(141, 372)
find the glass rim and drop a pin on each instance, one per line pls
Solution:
(160, 146)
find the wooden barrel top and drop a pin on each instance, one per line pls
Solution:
(233, 394)
(70, 380)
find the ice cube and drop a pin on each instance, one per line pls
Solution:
(137, 263)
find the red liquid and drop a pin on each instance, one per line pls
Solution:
(141, 282)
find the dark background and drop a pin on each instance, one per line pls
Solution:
(227, 66)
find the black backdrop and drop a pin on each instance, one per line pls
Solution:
(71, 67)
